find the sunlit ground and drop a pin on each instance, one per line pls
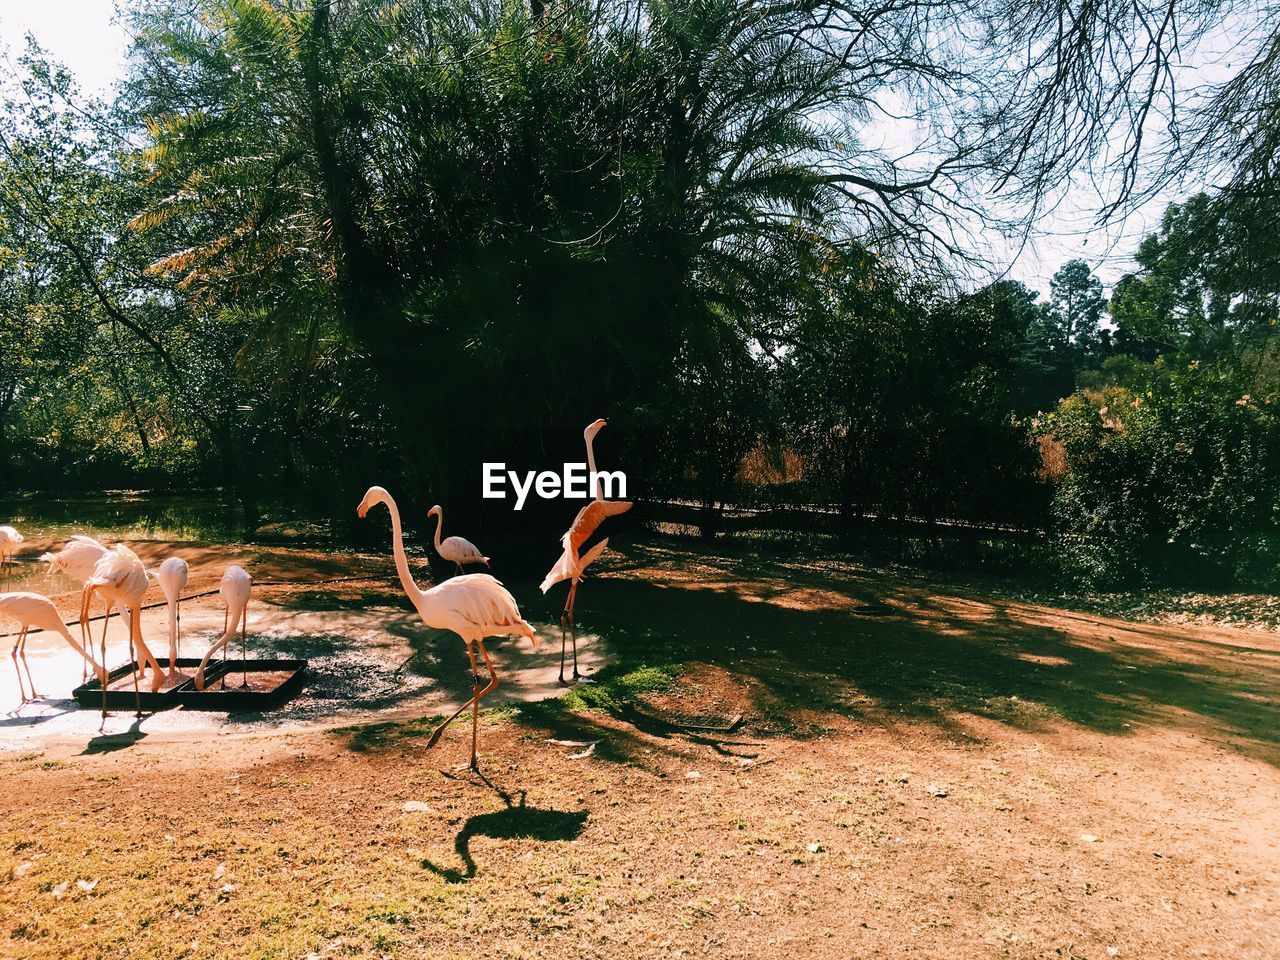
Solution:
(921, 770)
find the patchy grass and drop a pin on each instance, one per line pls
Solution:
(1248, 610)
(620, 687)
(372, 737)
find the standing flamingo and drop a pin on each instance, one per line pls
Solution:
(34, 610)
(235, 589)
(455, 549)
(172, 577)
(473, 606)
(9, 540)
(122, 580)
(77, 560)
(571, 566)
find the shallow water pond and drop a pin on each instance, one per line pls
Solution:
(124, 515)
(200, 516)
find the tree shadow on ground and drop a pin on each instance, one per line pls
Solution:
(515, 821)
(791, 638)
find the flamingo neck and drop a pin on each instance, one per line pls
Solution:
(439, 525)
(591, 467)
(402, 561)
(145, 656)
(233, 622)
(88, 656)
(173, 630)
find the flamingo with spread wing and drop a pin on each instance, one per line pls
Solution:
(572, 566)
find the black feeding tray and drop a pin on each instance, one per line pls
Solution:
(270, 682)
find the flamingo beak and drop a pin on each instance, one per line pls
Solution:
(362, 510)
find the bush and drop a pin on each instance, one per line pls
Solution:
(1171, 476)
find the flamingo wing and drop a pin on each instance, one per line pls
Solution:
(589, 519)
(480, 606)
(78, 558)
(584, 525)
(461, 550)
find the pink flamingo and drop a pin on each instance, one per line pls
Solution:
(235, 588)
(34, 610)
(77, 560)
(455, 549)
(473, 606)
(571, 566)
(122, 580)
(172, 577)
(9, 540)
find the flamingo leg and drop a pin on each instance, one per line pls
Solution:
(86, 639)
(573, 633)
(134, 669)
(475, 673)
(475, 707)
(566, 622)
(22, 655)
(244, 647)
(564, 625)
(22, 690)
(146, 659)
(225, 615)
(106, 674)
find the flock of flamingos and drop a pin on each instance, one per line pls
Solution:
(474, 606)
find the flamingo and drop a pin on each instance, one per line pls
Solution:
(571, 566)
(455, 549)
(172, 577)
(9, 540)
(34, 610)
(473, 606)
(122, 580)
(77, 560)
(235, 589)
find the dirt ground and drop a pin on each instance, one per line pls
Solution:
(920, 772)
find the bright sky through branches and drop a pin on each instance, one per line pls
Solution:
(79, 33)
(82, 35)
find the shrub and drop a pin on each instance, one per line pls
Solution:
(1171, 476)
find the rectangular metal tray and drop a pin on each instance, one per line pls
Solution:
(214, 696)
(234, 697)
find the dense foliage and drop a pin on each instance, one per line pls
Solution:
(316, 244)
(1172, 448)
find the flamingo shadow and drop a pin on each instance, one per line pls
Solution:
(111, 742)
(513, 822)
(15, 719)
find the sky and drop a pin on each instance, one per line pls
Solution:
(82, 34)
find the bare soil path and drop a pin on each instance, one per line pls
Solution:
(922, 772)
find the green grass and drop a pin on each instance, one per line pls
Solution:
(616, 689)
(372, 737)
